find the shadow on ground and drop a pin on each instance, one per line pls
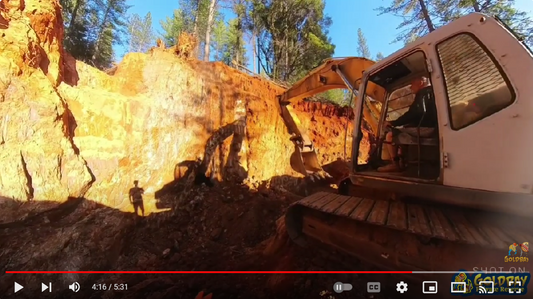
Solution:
(209, 226)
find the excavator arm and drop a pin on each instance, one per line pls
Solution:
(332, 74)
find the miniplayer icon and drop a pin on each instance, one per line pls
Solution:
(430, 287)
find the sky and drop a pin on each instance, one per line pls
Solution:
(347, 16)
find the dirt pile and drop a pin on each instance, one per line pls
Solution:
(71, 130)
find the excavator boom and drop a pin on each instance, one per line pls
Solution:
(334, 73)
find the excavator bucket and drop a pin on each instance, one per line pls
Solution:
(305, 163)
(333, 73)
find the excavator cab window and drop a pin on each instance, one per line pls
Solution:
(399, 102)
(412, 144)
(475, 85)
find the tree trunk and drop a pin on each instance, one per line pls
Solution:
(238, 50)
(101, 30)
(286, 56)
(195, 29)
(254, 49)
(259, 64)
(427, 18)
(238, 9)
(476, 7)
(74, 14)
(210, 18)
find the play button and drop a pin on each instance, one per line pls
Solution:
(17, 287)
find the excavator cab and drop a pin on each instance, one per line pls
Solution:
(416, 145)
(476, 68)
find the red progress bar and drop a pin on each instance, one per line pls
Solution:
(210, 272)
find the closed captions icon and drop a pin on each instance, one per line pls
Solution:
(373, 287)
(75, 287)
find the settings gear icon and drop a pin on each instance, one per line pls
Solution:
(401, 287)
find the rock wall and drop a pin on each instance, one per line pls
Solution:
(38, 158)
(68, 129)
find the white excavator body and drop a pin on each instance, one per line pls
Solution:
(491, 152)
(465, 192)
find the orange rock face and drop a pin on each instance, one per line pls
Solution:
(71, 130)
(38, 158)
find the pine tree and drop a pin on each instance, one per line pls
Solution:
(379, 56)
(191, 17)
(292, 36)
(173, 26)
(209, 26)
(519, 21)
(92, 27)
(77, 26)
(219, 39)
(235, 49)
(416, 14)
(110, 29)
(362, 47)
(140, 33)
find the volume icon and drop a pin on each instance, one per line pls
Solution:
(75, 287)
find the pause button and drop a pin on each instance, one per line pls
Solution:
(340, 287)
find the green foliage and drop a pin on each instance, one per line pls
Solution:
(411, 38)
(191, 17)
(423, 16)
(92, 27)
(292, 36)
(379, 56)
(140, 33)
(174, 26)
(416, 15)
(225, 43)
(77, 29)
(362, 47)
(519, 21)
(219, 40)
(110, 29)
(234, 48)
(103, 56)
(339, 97)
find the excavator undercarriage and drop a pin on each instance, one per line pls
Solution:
(398, 235)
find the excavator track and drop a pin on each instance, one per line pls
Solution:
(399, 235)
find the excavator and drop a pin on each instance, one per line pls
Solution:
(463, 198)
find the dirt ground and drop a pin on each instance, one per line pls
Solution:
(225, 227)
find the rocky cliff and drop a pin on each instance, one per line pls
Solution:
(68, 129)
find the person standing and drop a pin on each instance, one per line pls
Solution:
(136, 197)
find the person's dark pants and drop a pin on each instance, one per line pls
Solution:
(138, 205)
